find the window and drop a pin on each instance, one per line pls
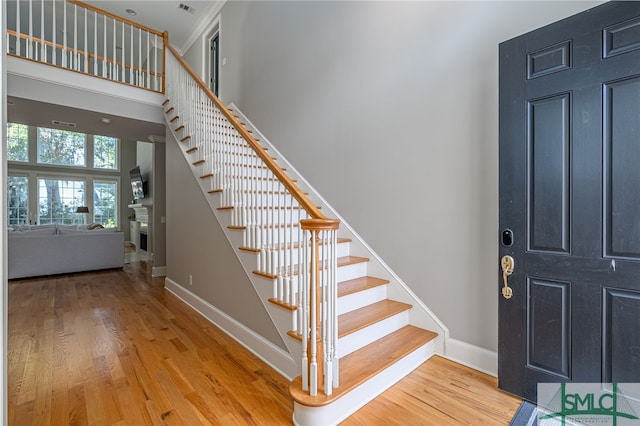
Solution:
(61, 147)
(58, 200)
(105, 152)
(17, 142)
(66, 170)
(105, 203)
(18, 200)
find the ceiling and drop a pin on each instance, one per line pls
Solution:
(166, 15)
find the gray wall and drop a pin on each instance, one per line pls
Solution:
(390, 110)
(159, 205)
(197, 246)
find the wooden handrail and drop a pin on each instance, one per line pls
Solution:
(304, 201)
(82, 52)
(113, 16)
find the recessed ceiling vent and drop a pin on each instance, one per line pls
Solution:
(64, 124)
(185, 7)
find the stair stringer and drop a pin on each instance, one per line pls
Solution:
(420, 316)
(281, 319)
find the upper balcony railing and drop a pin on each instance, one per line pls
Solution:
(80, 37)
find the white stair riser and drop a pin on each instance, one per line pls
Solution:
(367, 335)
(342, 249)
(349, 272)
(361, 299)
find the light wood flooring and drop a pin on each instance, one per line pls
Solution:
(113, 348)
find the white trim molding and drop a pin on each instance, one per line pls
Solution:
(203, 26)
(273, 355)
(159, 271)
(472, 356)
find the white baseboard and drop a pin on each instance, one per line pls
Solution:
(472, 356)
(273, 355)
(159, 271)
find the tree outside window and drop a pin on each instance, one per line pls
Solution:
(17, 142)
(105, 152)
(61, 147)
(18, 200)
(105, 204)
(58, 200)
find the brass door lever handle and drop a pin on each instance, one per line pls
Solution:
(507, 263)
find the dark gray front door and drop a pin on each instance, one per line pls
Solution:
(570, 201)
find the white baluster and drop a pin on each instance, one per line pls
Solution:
(30, 50)
(139, 56)
(147, 83)
(155, 62)
(131, 60)
(64, 34)
(123, 74)
(18, 34)
(114, 65)
(43, 46)
(95, 43)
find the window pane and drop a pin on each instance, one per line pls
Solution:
(61, 147)
(17, 142)
(105, 203)
(18, 200)
(58, 200)
(105, 152)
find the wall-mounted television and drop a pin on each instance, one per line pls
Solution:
(137, 184)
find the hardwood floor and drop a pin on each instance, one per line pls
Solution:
(113, 348)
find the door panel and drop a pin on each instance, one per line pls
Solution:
(570, 191)
(621, 346)
(548, 165)
(549, 326)
(622, 164)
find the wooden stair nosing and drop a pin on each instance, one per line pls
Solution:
(169, 110)
(265, 207)
(249, 249)
(290, 246)
(363, 364)
(197, 163)
(282, 304)
(358, 319)
(165, 102)
(342, 261)
(356, 285)
(192, 149)
(365, 316)
(180, 127)
(174, 119)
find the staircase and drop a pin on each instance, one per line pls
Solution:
(382, 329)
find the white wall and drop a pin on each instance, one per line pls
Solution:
(390, 110)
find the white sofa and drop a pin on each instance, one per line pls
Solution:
(60, 249)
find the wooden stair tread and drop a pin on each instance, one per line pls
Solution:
(359, 284)
(287, 246)
(361, 365)
(342, 261)
(350, 260)
(356, 320)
